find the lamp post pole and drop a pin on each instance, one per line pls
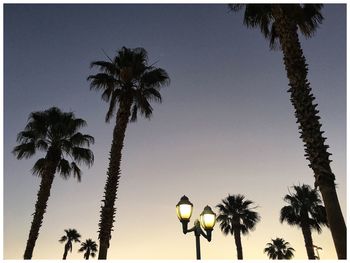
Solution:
(198, 244)
(207, 220)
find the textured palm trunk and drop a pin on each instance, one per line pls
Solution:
(310, 127)
(113, 175)
(237, 236)
(308, 241)
(41, 203)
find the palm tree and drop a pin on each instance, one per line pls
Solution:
(236, 217)
(129, 82)
(282, 22)
(72, 235)
(305, 210)
(56, 134)
(279, 249)
(90, 248)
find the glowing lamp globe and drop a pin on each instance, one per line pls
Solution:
(208, 218)
(184, 209)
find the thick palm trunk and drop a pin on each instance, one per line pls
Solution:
(113, 175)
(237, 236)
(310, 127)
(41, 203)
(308, 241)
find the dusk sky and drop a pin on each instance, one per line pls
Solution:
(226, 125)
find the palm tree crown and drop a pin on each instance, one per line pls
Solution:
(129, 77)
(279, 249)
(56, 133)
(234, 211)
(306, 17)
(305, 211)
(90, 248)
(305, 207)
(236, 216)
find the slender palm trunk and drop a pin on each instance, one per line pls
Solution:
(237, 236)
(41, 203)
(311, 134)
(308, 241)
(113, 175)
(65, 253)
(87, 254)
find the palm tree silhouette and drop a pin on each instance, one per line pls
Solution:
(305, 210)
(90, 248)
(129, 82)
(236, 217)
(72, 235)
(282, 22)
(57, 134)
(279, 249)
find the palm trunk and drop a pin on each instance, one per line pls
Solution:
(113, 175)
(237, 235)
(308, 241)
(87, 254)
(65, 253)
(41, 203)
(311, 134)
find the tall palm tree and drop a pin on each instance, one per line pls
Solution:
(90, 248)
(282, 22)
(71, 235)
(55, 133)
(236, 216)
(129, 83)
(279, 249)
(305, 210)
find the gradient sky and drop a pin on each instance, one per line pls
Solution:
(226, 125)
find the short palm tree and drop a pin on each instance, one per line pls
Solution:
(282, 22)
(279, 249)
(90, 248)
(57, 134)
(128, 83)
(305, 210)
(71, 236)
(236, 216)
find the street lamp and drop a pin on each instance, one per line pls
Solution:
(207, 220)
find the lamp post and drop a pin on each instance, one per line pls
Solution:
(207, 221)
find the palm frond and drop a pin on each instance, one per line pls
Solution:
(25, 150)
(112, 106)
(64, 168)
(79, 139)
(104, 66)
(155, 78)
(83, 155)
(40, 166)
(76, 171)
(63, 239)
